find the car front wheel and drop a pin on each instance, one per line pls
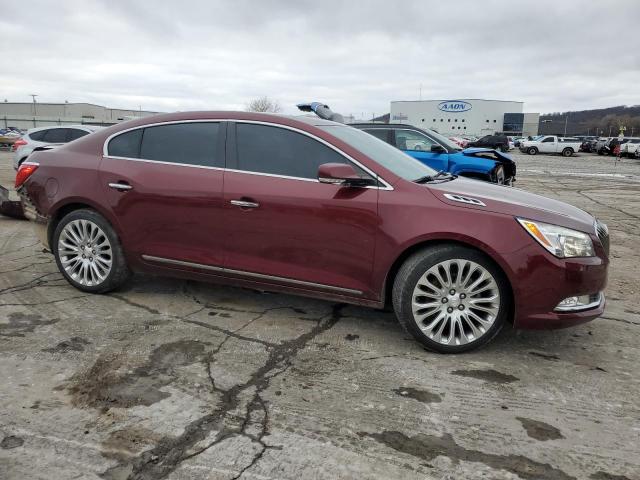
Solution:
(532, 151)
(88, 252)
(451, 298)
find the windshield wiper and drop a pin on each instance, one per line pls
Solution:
(442, 174)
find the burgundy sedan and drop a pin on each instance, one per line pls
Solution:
(311, 207)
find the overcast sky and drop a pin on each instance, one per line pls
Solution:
(356, 56)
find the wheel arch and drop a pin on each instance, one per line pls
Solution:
(387, 286)
(60, 210)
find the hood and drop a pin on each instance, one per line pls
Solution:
(515, 202)
(487, 153)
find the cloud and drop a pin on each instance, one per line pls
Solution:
(356, 56)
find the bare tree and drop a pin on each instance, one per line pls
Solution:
(263, 104)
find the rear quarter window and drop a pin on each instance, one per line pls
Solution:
(126, 144)
(37, 136)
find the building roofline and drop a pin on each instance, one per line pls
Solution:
(457, 100)
(76, 103)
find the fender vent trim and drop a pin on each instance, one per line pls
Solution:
(463, 199)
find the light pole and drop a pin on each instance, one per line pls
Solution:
(33, 95)
(566, 119)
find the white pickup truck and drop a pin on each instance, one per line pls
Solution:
(551, 144)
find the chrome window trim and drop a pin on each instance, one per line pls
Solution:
(105, 151)
(263, 276)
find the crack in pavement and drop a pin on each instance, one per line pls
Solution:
(35, 282)
(169, 452)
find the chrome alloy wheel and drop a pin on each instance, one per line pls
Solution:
(85, 252)
(455, 302)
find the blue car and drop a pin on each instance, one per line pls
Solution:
(433, 149)
(440, 153)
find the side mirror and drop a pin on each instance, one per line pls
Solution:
(342, 174)
(437, 149)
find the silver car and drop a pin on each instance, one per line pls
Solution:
(47, 136)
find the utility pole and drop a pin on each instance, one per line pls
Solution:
(566, 119)
(420, 92)
(33, 95)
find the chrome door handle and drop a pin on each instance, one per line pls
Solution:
(244, 204)
(120, 186)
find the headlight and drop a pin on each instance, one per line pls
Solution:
(560, 241)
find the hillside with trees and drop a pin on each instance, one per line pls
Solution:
(603, 121)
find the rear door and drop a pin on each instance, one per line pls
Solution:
(286, 227)
(419, 146)
(164, 184)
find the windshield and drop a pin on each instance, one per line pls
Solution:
(380, 152)
(444, 141)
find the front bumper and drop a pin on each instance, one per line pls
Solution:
(542, 281)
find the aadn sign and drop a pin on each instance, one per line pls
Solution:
(454, 106)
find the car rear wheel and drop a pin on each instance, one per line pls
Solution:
(567, 152)
(532, 150)
(88, 252)
(451, 298)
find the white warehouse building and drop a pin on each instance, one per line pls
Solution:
(466, 117)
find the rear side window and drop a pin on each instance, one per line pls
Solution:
(75, 133)
(381, 133)
(190, 143)
(126, 145)
(279, 151)
(56, 135)
(415, 141)
(194, 143)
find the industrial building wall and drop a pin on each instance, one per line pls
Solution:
(29, 115)
(455, 117)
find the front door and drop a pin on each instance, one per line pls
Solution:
(286, 227)
(164, 186)
(419, 146)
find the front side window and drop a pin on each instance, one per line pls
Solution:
(278, 151)
(56, 135)
(547, 140)
(410, 140)
(380, 152)
(192, 143)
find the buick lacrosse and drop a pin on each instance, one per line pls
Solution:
(312, 207)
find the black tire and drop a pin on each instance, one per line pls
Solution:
(119, 272)
(567, 152)
(532, 150)
(415, 267)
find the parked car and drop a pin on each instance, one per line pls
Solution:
(42, 136)
(589, 145)
(496, 142)
(551, 144)
(461, 142)
(317, 208)
(440, 153)
(630, 147)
